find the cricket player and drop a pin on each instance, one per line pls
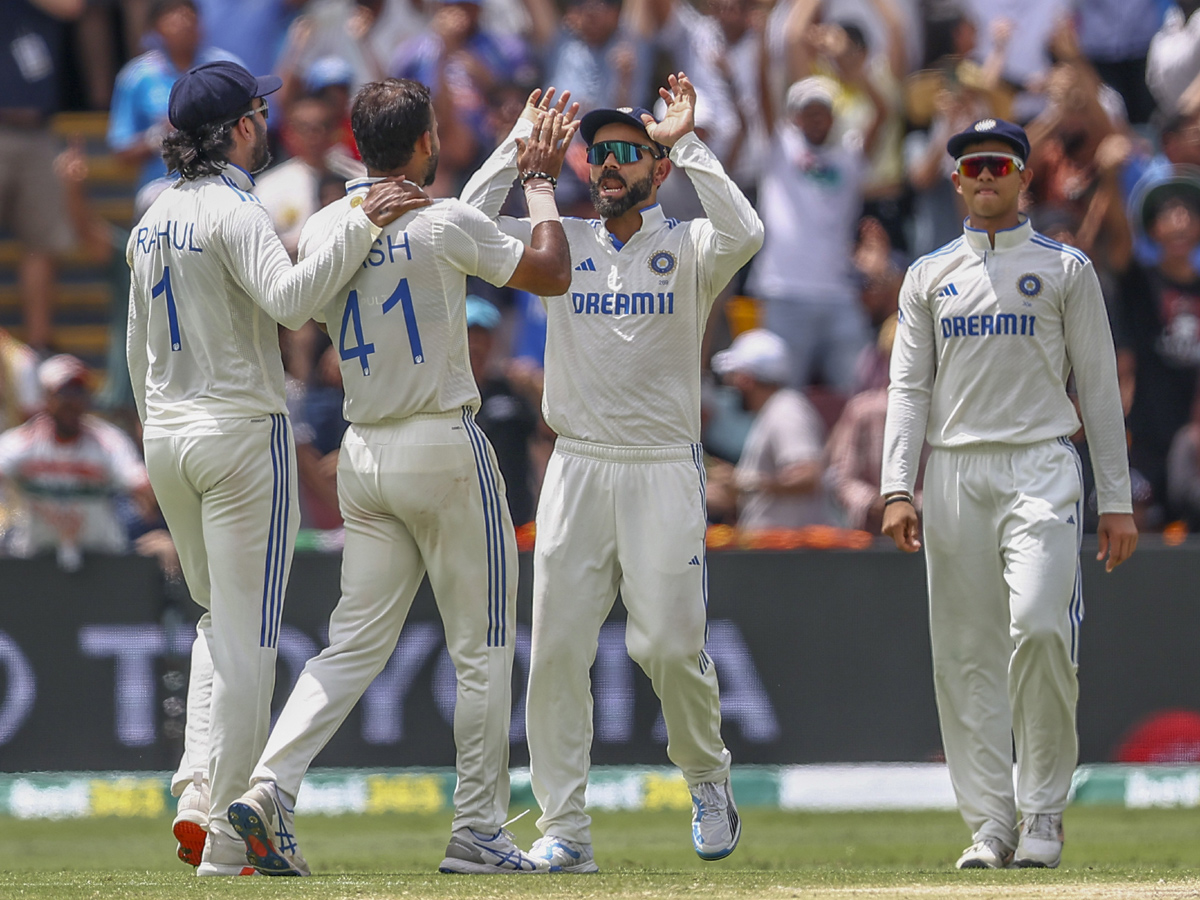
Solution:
(622, 504)
(210, 279)
(418, 483)
(990, 327)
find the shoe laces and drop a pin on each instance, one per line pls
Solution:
(1042, 825)
(711, 800)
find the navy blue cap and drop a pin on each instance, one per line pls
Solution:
(598, 118)
(215, 92)
(990, 130)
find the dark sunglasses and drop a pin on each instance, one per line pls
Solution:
(623, 151)
(999, 164)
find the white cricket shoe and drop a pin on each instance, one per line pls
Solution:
(986, 853)
(1041, 842)
(267, 825)
(191, 821)
(716, 826)
(223, 856)
(473, 853)
(563, 855)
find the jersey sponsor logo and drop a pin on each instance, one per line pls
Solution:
(987, 326)
(948, 291)
(662, 262)
(586, 266)
(618, 304)
(1029, 284)
(169, 235)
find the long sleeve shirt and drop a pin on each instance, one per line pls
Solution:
(210, 280)
(623, 344)
(985, 342)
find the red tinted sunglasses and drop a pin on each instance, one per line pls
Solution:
(999, 164)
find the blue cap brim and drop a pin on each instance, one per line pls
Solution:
(598, 118)
(268, 84)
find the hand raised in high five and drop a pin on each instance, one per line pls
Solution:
(680, 117)
(539, 102)
(547, 146)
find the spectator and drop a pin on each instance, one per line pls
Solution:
(810, 200)
(356, 33)
(330, 78)
(1183, 472)
(251, 31)
(31, 202)
(869, 100)
(290, 191)
(67, 468)
(1027, 59)
(138, 121)
(96, 42)
(778, 477)
(1115, 36)
(1179, 145)
(1160, 340)
(505, 416)
(460, 61)
(1173, 61)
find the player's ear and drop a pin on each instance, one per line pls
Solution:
(662, 168)
(1026, 177)
(425, 143)
(954, 181)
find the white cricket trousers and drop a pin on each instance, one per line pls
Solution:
(417, 494)
(609, 518)
(1002, 531)
(230, 502)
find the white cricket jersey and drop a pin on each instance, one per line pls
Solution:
(985, 343)
(210, 279)
(623, 344)
(400, 325)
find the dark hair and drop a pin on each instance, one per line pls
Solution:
(388, 118)
(854, 34)
(159, 8)
(200, 153)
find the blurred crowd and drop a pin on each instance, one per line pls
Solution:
(832, 116)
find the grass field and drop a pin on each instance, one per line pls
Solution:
(1110, 853)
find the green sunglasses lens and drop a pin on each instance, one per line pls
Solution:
(623, 151)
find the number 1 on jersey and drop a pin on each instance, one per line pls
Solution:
(403, 296)
(164, 287)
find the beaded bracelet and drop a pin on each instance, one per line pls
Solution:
(529, 176)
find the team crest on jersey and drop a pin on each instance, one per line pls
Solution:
(1029, 285)
(662, 262)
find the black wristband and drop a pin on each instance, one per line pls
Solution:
(529, 176)
(897, 498)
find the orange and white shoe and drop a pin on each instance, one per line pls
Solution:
(224, 856)
(191, 821)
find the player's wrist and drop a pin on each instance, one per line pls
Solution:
(897, 497)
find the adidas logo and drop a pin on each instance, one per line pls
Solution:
(586, 266)
(695, 561)
(1071, 519)
(948, 291)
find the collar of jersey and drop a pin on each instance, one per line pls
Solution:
(238, 176)
(1006, 238)
(652, 218)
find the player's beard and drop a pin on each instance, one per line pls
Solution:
(430, 170)
(262, 149)
(634, 194)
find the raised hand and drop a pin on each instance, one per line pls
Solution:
(547, 146)
(540, 102)
(392, 198)
(680, 117)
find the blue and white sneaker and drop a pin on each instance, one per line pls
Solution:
(563, 855)
(473, 853)
(267, 825)
(716, 827)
